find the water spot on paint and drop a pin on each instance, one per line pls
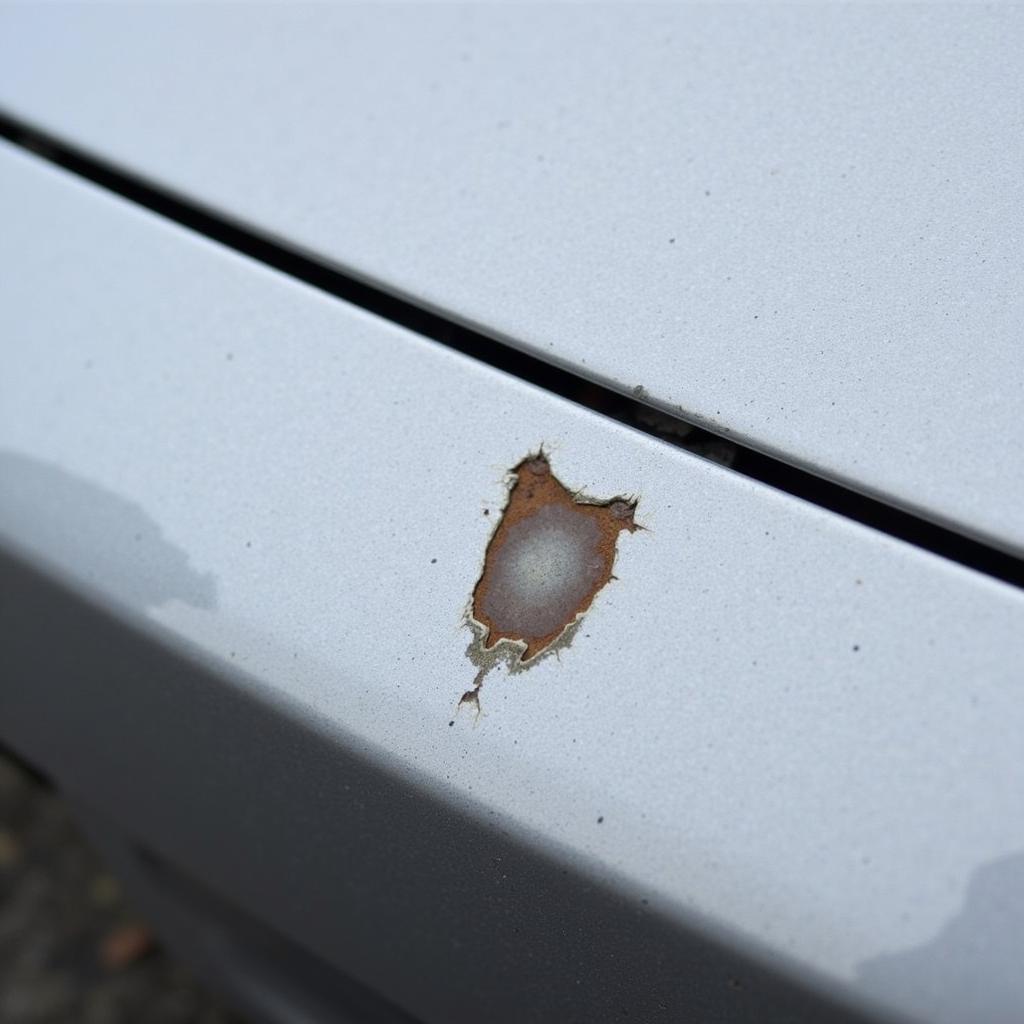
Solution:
(550, 554)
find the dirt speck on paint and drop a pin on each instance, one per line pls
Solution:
(550, 554)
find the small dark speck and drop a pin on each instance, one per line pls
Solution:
(248, 543)
(487, 511)
(230, 356)
(671, 241)
(600, 820)
(433, 561)
(856, 647)
(451, 723)
(707, 192)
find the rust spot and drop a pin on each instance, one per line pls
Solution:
(550, 554)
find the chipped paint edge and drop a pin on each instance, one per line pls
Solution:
(506, 650)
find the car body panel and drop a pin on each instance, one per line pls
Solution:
(797, 226)
(282, 503)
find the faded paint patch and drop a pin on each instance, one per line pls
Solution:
(550, 554)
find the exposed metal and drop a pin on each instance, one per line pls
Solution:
(550, 554)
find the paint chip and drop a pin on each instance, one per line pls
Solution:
(550, 554)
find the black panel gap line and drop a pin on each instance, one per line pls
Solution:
(476, 344)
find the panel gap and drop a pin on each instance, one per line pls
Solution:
(449, 331)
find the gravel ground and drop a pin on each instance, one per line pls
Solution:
(71, 949)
